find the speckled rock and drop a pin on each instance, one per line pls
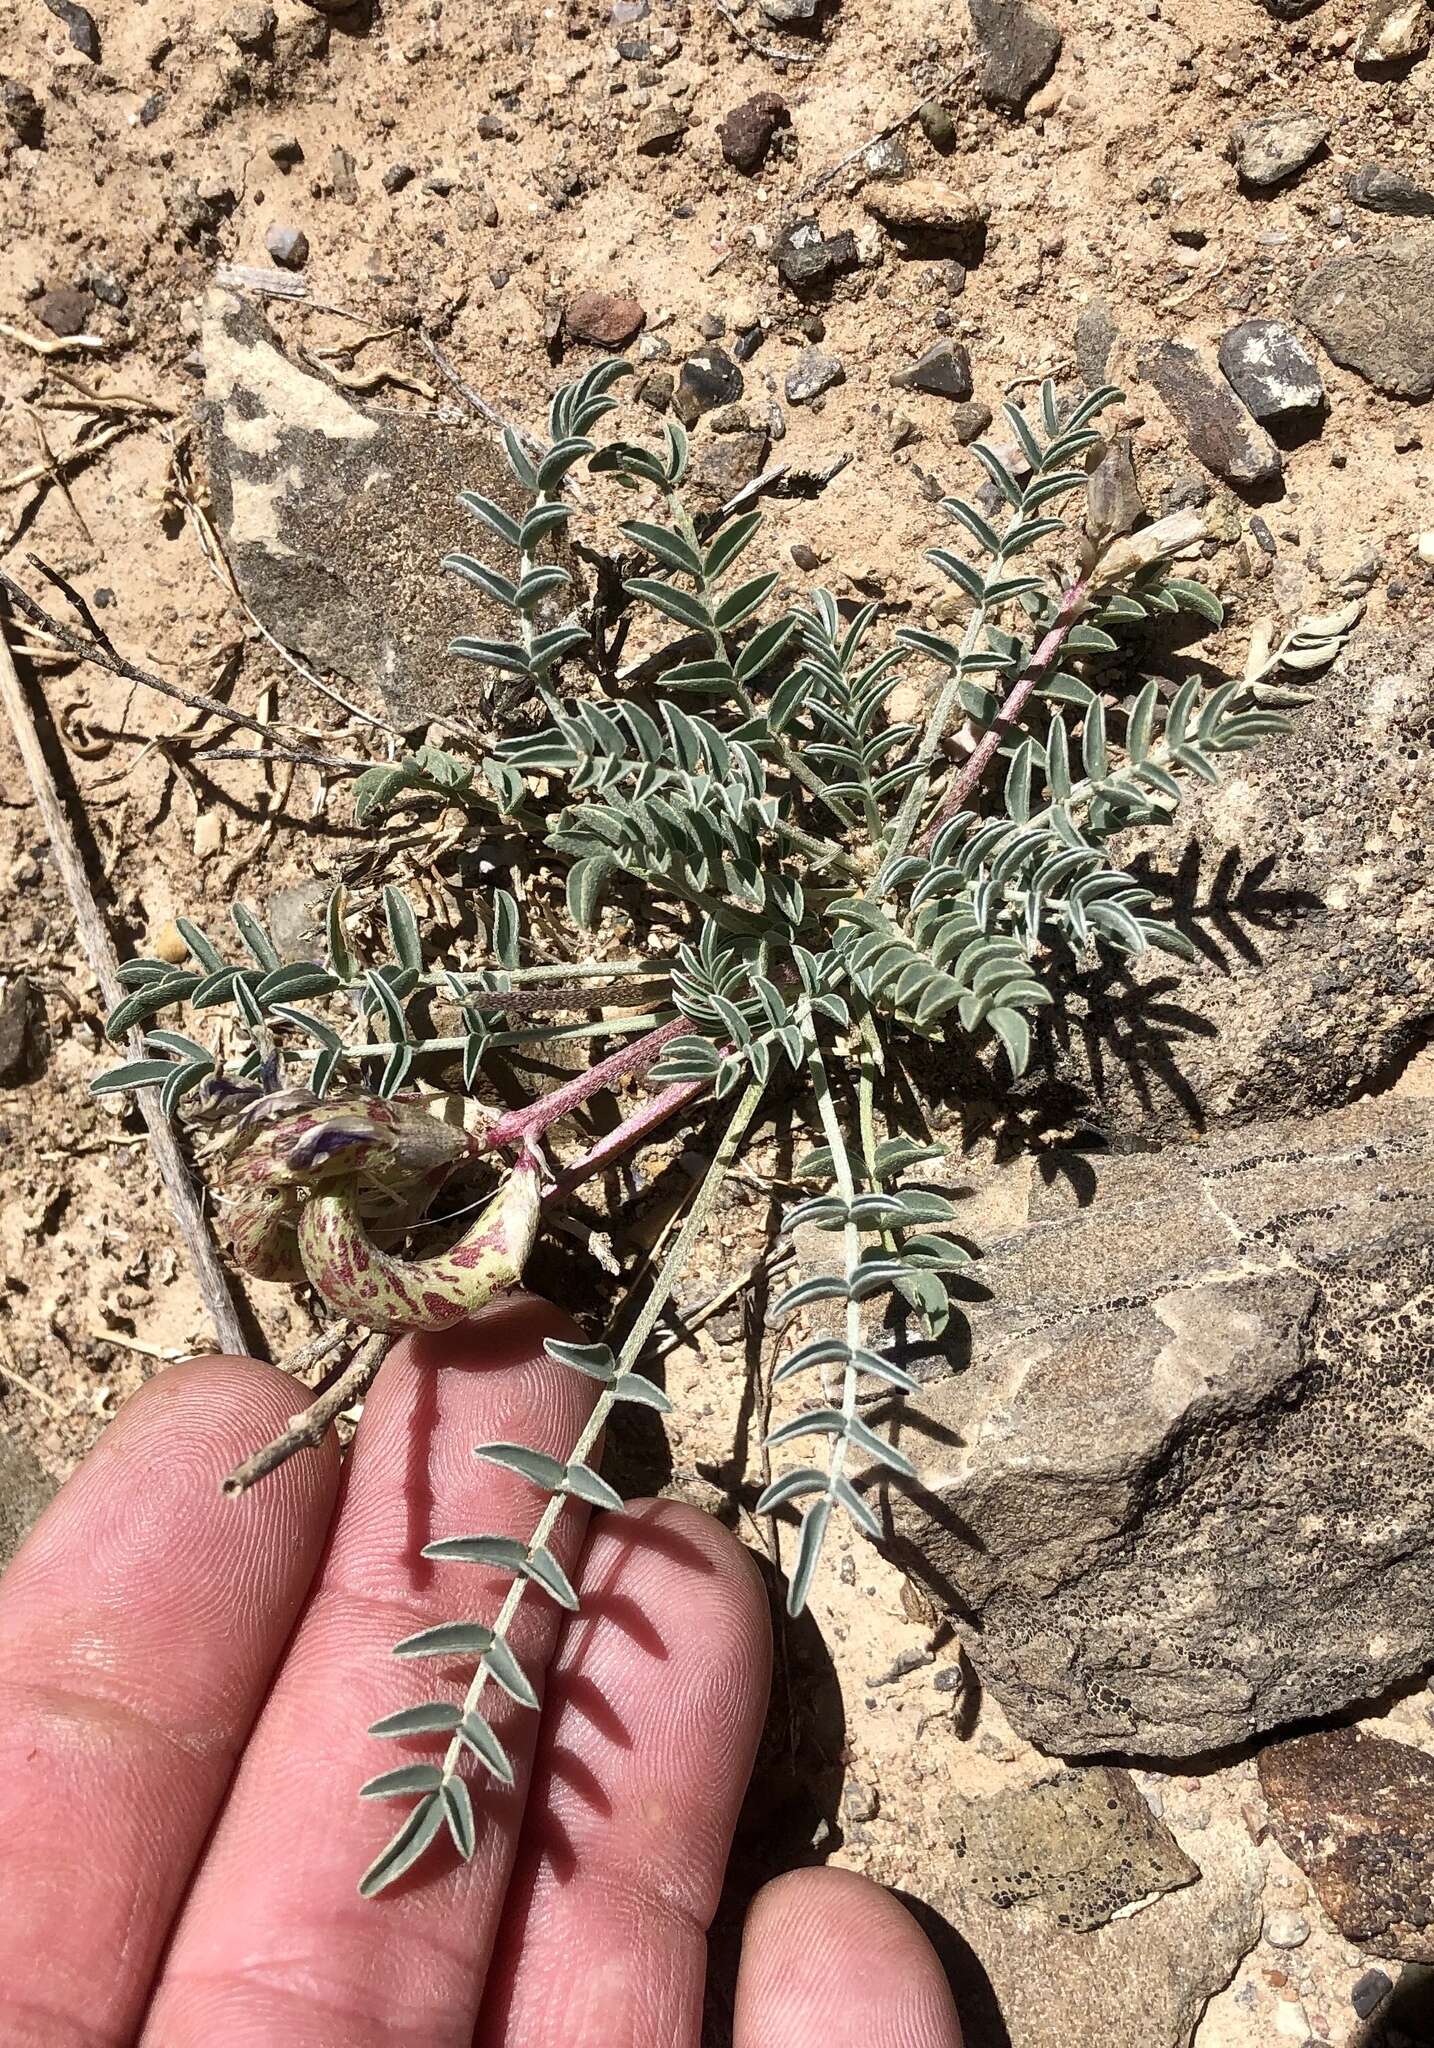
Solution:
(335, 518)
(1394, 31)
(1084, 1844)
(811, 374)
(1082, 1924)
(1356, 1812)
(1301, 879)
(1273, 147)
(1177, 1493)
(1271, 370)
(1373, 311)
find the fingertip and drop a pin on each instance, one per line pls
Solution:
(510, 1330)
(169, 1449)
(832, 1960)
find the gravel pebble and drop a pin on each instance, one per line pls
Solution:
(1284, 1929)
(812, 374)
(287, 246)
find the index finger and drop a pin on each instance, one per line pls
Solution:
(139, 1627)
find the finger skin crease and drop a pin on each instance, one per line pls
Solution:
(29, 1710)
(244, 2009)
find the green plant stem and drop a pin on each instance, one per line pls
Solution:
(632, 1348)
(556, 970)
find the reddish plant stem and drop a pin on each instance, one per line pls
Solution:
(1068, 610)
(628, 1133)
(523, 1126)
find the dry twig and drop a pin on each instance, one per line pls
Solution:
(103, 655)
(99, 949)
(311, 1425)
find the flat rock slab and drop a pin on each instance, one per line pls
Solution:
(1178, 1494)
(1085, 1846)
(1356, 1812)
(1302, 880)
(335, 519)
(1042, 1963)
(1373, 310)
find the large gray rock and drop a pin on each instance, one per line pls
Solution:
(1374, 312)
(335, 518)
(1082, 1923)
(1303, 881)
(1179, 1494)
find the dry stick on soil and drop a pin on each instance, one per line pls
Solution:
(10, 1370)
(767, 50)
(99, 949)
(310, 1427)
(892, 128)
(104, 656)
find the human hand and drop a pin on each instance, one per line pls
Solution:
(185, 1682)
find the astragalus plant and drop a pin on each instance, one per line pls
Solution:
(785, 886)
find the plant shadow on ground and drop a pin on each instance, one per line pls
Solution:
(1141, 1022)
(789, 1819)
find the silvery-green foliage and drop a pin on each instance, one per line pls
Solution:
(822, 884)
